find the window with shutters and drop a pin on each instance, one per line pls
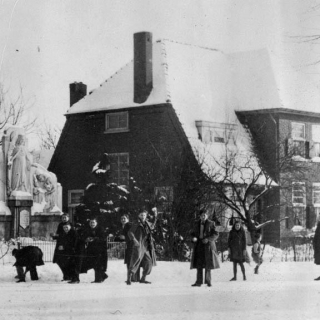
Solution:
(297, 144)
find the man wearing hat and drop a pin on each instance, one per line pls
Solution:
(204, 254)
(143, 253)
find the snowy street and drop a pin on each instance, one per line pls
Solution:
(282, 290)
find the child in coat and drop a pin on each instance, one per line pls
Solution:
(237, 249)
(257, 252)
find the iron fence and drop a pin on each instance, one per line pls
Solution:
(299, 253)
(115, 249)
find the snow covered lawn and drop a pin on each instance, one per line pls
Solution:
(282, 290)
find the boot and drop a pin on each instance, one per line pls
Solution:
(256, 270)
(129, 278)
(234, 278)
(143, 280)
(196, 285)
(21, 280)
(244, 277)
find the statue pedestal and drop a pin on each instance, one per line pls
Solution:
(20, 204)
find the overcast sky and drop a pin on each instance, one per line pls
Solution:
(45, 45)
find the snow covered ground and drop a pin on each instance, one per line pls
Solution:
(282, 290)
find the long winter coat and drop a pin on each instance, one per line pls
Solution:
(316, 245)
(29, 256)
(65, 247)
(94, 254)
(129, 244)
(205, 255)
(237, 244)
(145, 242)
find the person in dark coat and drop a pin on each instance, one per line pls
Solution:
(316, 247)
(204, 254)
(64, 219)
(29, 257)
(143, 253)
(257, 252)
(237, 246)
(93, 255)
(65, 251)
(126, 226)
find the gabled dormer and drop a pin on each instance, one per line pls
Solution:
(215, 132)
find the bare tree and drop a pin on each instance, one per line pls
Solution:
(237, 179)
(15, 111)
(48, 135)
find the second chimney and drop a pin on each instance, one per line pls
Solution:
(142, 66)
(77, 91)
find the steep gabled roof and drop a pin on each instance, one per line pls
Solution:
(207, 84)
(117, 91)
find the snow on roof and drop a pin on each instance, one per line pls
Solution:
(235, 155)
(117, 91)
(207, 84)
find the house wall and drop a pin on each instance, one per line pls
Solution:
(155, 143)
(308, 172)
(271, 134)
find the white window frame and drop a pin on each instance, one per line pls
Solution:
(315, 140)
(294, 138)
(118, 175)
(315, 189)
(314, 128)
(70, 192)
(299, 204)
(120, 129)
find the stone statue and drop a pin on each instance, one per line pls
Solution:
(18, 167)
(45, 187)
(18, 173)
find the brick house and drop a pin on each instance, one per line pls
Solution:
(283, 132)
(150, 115)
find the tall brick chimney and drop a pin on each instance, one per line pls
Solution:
(142, 66)
(77, 91)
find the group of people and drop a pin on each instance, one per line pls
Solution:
(78, 251)
(205, 255)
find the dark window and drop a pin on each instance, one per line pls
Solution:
(117, 122)
(74, 197)
(219, 139)
(119, 168)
